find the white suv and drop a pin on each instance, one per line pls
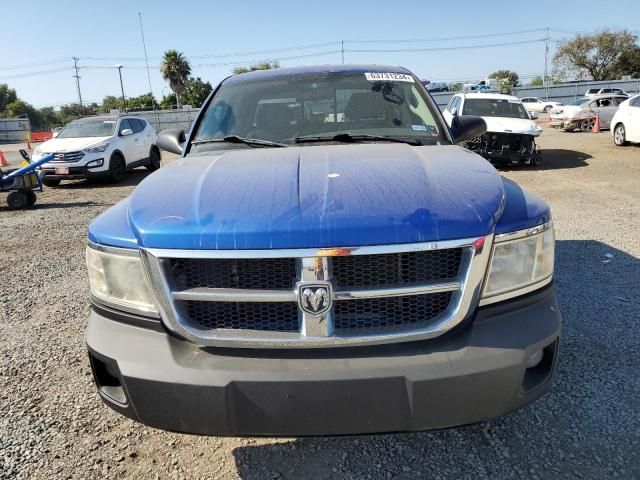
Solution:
(99, 148)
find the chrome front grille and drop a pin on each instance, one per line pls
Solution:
(378, 294)
(68, 157)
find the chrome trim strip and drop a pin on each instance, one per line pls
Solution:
(129, 252)
(397, 291)
(316, 332)
(310, 252)
(515, 293)
(234, 295)
(527, 232)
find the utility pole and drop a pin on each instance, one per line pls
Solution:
(146, 59)
(124, 102)
(545, 82)
(342, 49)
(77, 77)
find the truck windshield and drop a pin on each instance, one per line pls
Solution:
(493, 107)
(88, 128)
(288, 108)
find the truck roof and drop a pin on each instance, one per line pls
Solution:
(282, 72)
(491, 96)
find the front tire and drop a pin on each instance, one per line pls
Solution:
(620, 136)
(31, 197)
(50, 182)
(117, 168)
(154, 160)
(587, 124)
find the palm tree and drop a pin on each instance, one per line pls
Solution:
(175, 69)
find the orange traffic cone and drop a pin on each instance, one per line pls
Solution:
(3, 161)
(596, 125)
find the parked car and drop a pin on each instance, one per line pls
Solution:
(293, 274)
(625, 125)
(511, 131)
(595, 92)
(486, 89)
(437, 87)
(102, 147)
(536, 104)
(581, 114)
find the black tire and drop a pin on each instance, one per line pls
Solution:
(547, 109)
(117, 167)
(154, 160)
(17, 200)
(31, 197)
(50, 182)
(620, 135)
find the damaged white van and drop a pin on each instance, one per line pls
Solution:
(511, 130)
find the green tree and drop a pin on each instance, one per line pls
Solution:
(536, 82)
(600, 55)
(168, 101)
(74, 110)
(506, 78)
(456, 87)
(142, 102)
(264, 65)
(7, 96)
(175, 69)
(196, 92)
(111, 102)
(629, 63)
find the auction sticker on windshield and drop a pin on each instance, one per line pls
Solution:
(388, 77)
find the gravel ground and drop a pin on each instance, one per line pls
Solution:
(52, 424)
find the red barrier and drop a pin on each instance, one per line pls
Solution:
(41, 136)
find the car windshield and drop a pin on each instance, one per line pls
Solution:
(88, 128)
(289, 108)
(494, 107)
(580, 101)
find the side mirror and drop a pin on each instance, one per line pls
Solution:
(533, 115)
(172, 140)
(464, 127)
(126, 132)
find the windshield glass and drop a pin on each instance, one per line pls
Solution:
(281, 109)
(493, 107)
(580, 101)
(88, 128)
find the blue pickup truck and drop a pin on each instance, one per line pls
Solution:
(323, 259)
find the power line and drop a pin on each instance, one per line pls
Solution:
(442, 39)
(34, 64)
(437, 49)
(39, 72)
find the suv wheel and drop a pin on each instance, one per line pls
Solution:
(116, 168)
(50, 182)
(154, 160)
(620, 136)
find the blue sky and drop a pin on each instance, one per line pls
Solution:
(45, 35)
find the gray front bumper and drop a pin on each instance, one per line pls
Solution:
(474, 374)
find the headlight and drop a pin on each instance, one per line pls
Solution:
(118, 281)
(101, 147)
(519, 261)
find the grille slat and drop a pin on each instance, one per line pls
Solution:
(245, 273)
(396, 268)
(68, 157)
(280, 317)
(392, 311)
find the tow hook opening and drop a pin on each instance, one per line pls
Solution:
(539, 366)
(107, 377)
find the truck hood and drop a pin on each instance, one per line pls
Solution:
(70, 144)
(512, 125)
(317, 196)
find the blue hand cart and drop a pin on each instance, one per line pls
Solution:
(23, 183)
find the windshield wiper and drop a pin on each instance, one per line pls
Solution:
(355, 137)
(254, 142)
